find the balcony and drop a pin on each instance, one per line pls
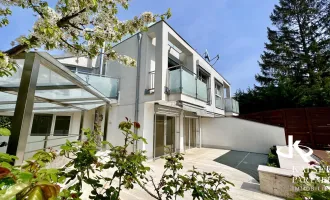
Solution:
(231, 106)
(108, 86)
(219, 103)
(183, 81)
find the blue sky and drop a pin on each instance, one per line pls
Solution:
(235, 29)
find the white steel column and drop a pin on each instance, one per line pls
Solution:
(24, 107)
(181, 133)
(200, 131)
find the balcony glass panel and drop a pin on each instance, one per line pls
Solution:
(106, 85)
(181, 80)
(201, 90)
(232, 105)
(175, 81)
(218, 102)
(188, 83)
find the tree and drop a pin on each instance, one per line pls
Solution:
(297, 56)
(81, 27)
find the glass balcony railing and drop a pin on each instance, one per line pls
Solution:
(231, 105)
(219, 103)
(183, 81)
(106, 85)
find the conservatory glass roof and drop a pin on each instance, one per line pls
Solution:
(56, 88)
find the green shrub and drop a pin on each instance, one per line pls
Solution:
(273, 158)
(273, 150)
(5, 122)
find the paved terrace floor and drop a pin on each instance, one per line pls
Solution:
(246, 187)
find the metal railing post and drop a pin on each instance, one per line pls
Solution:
(196, 87)
(181, 88)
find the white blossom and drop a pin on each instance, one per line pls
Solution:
(81, 27)
(4, 60)
(148, 17)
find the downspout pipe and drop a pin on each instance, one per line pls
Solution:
(137, 91)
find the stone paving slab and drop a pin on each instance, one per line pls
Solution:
(246, 187)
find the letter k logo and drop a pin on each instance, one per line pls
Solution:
(296, 147)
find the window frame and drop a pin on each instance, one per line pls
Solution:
(53, 123)
(205, 73)
(208, 81)
(217, 83)
(70, 122)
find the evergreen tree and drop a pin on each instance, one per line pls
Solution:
(295, 66)
(298, 51)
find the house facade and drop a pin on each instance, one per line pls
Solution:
(176, 87)
(168, 93)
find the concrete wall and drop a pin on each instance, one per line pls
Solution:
(126, 74)
(276, 181)
(241, 135)
(148, 128)
(117, 114)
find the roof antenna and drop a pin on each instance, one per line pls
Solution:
(207, 58)
(206, 55)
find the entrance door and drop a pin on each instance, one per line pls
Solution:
(170, 135)
(160, 132)
(165, 135)
(189, 129)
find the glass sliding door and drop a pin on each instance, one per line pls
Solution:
(192, 133)
(164, 135)
(160, 132)
(189, 129)
(170, 135)
(186, 130)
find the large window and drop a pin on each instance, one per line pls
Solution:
(203, 75)
(218, 94)
(62, 125)
(42, 124)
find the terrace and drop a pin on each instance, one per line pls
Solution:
(246, 187)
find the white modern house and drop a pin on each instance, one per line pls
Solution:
(173, 92)
(168, 93)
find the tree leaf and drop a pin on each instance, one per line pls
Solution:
(25, 176)
(4, 132)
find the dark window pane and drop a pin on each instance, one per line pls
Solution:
(172, 63)
(62, 126)
(41, 125)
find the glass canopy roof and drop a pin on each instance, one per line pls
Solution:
(57, 88)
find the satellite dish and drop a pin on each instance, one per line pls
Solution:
(206, 55)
